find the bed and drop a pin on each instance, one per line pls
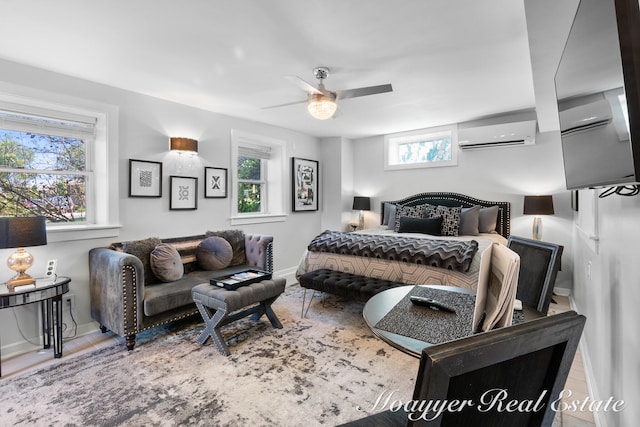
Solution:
(492, 226)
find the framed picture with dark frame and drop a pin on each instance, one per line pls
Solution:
(184, 193)
(215, 183)
(304, 184)
(539, 265)
(145, 178)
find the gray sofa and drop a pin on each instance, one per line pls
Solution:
(128, 298)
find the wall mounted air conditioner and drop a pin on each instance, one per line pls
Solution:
(590, 115)
(499, 135)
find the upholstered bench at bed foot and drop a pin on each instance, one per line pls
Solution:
(219, 307)
(352, 286)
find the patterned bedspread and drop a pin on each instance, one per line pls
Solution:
(450, 254)
(400, 271)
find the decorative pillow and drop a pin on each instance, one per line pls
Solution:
(450, 219)
(469, 220)
(166, 263)
(488, 220)
(431, 226)
(142, 249)
(214, 253)
(390, 216)
(420, 211)
(236, 240)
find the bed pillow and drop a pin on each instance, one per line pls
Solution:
(420, 211)
(488, 220)
(432, 226)
(214, 253)
(390, 215)
(450, 219)
(469, 221)
(166, 263)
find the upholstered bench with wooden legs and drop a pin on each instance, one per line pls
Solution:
(219, 307)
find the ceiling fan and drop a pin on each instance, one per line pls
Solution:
(322, 103)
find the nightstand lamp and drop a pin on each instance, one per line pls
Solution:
(362, 204)
(21, 232)
(538, 205)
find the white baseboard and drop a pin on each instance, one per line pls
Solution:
(598, 417)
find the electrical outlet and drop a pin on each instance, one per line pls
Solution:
(69, 300)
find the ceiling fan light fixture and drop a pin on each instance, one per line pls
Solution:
(321, 106)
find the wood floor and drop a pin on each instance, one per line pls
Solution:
(96, 340)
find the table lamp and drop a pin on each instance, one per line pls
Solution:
(362, 204)
(538, 205)
(21, 232)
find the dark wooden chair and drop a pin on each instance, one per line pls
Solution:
(539, 265)
(527, 363)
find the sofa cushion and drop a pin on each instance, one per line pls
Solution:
(142, 249)
(164, 297)
(236, 240)
(166, 263)
(214, 253)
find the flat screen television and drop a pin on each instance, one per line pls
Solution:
(598, 93)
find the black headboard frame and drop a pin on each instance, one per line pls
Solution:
(503, 226)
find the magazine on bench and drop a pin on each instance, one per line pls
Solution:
(241, 278)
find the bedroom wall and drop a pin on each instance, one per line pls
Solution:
(606, 290)
(145, 125)
(506, 173)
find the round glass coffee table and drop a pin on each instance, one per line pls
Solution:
(380, 304)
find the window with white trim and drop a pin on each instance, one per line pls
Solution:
(421, 148)
(258, 177)
(54, 162)
(44, 163)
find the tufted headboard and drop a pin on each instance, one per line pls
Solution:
(453, 200)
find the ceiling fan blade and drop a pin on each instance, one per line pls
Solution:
(284, 105)
(307, 87)
(363, 91)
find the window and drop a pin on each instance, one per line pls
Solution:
(44, 166)
(54, 163)
(422, 148)
(258, 175)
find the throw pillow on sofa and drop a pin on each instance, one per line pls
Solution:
(166, 263)
(214, 253)
(142, 249)
(236, 240)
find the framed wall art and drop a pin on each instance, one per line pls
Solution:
(215, 183)
(304, 185)
(184, 193)
(145, 178)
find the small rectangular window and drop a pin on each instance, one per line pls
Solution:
(422, 148)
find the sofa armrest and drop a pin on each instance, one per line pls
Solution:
(259, 251)
(116, 281)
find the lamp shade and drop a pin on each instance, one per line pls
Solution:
(183, 144)
(19, 232)
(361, 203)
(538, 205)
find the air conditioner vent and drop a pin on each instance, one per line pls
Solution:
(500, 135)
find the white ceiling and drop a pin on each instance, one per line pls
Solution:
(448, 60)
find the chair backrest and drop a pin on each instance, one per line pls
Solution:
(539, 265)
(496, 292)
(527, 364)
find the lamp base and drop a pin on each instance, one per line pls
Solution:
(537, 228)
(20, 279)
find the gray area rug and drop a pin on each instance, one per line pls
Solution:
(325, 369)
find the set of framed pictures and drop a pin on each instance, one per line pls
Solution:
(145, 180)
